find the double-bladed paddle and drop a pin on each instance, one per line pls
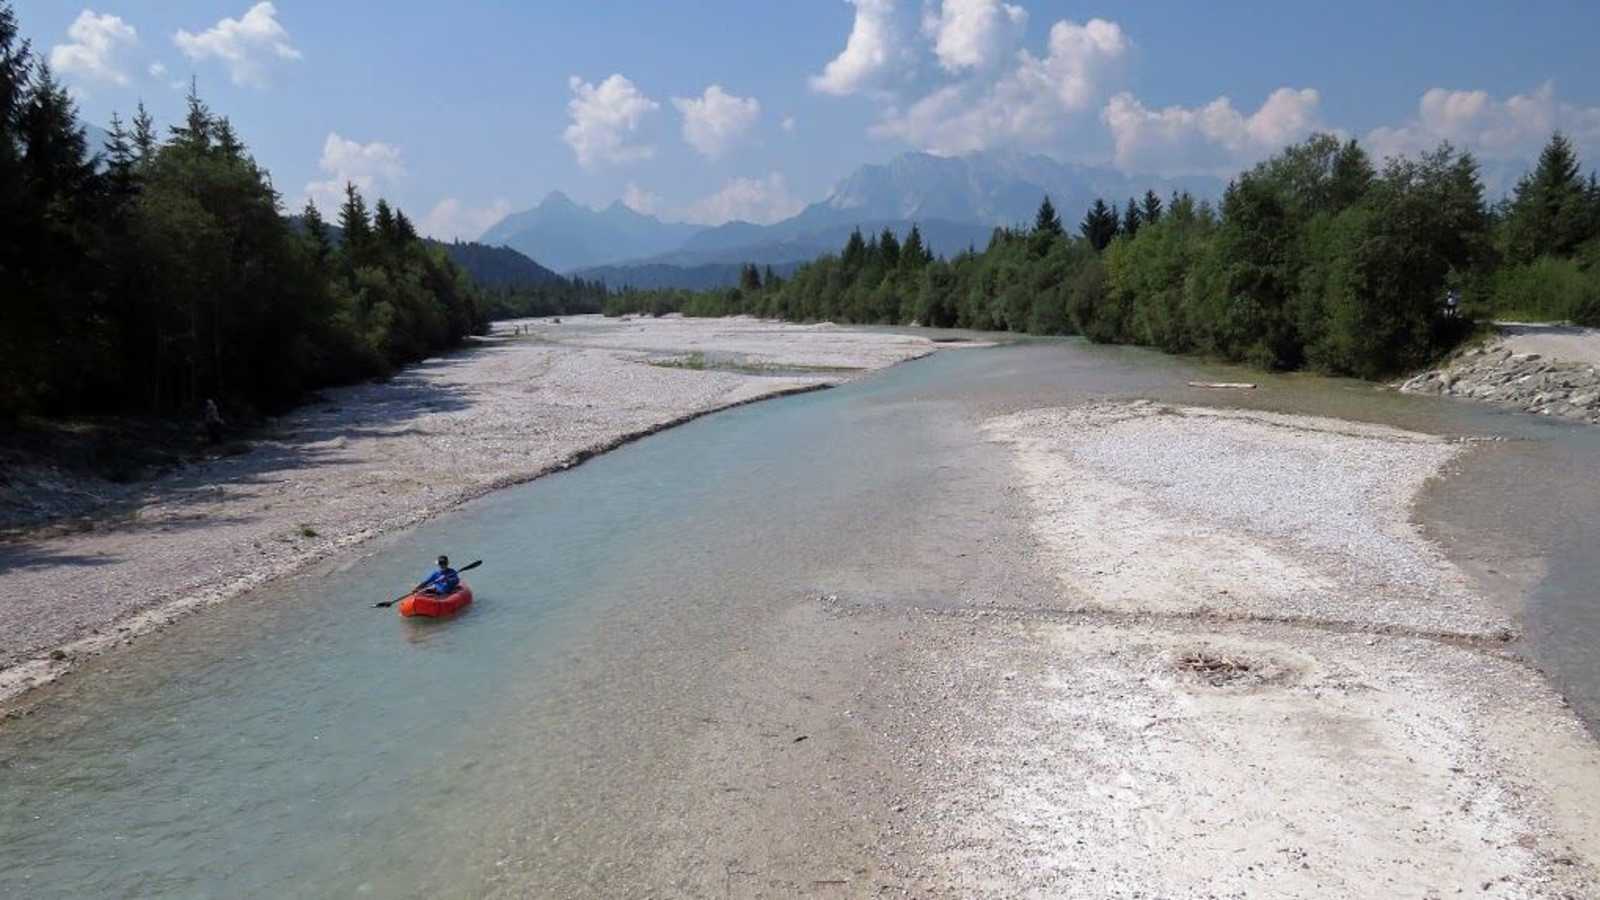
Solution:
(387, 603)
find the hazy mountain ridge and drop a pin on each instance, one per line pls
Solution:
(496, 266)
(565, 236)
(955, 201)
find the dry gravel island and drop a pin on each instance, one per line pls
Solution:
(1258, 679)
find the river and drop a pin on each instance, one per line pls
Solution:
(639, 617)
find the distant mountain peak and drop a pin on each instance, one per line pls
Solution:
(957, 200)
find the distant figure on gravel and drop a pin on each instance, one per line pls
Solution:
(444, 579)
(213, 422)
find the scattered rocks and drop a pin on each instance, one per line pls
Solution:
(1528, 381)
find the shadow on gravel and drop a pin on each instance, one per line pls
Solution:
(92, 475)
(19, 557)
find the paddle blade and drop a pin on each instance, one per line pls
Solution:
(471, 565)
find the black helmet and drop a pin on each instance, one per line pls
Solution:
(443, 560)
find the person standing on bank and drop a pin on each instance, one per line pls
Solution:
(213, 422)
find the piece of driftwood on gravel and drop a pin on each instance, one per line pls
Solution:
(1235, 385)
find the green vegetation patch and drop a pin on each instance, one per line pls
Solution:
(1314, 259)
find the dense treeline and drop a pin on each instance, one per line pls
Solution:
(162, 271)
(1313, 258)
(515, 286)
(562, 297)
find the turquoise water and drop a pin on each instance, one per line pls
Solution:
(297, 742)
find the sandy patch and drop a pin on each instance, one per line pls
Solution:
(375, 458)
(1181, 510)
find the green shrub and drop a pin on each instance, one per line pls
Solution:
(1547, 289)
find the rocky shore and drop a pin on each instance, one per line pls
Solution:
(1503, 372)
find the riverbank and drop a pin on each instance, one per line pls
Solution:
(1550, 370)
(1258, 677)
(533, 398)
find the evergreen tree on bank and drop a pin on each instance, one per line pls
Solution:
(1099, 225)
(165, 273)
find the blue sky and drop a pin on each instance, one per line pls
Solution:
(460, 112)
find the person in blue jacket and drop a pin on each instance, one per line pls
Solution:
(444, 579)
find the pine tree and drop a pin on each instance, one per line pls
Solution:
(383, 223)
(1130, 218)
(55, 159)
(1150, 210)
(16, 61)
(1549, 206)
(228, 145)
(354, 221)
(120, 160)
(20, 223)
(195, 132)
(405, 232)
(1352, 176)
(914, 256)
(855, 253)
(1099, 225)
(889, 249)
(144, 135)
(749, 278)
(316, 231)
(1046, 221)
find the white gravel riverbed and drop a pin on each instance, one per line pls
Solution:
(1264, 681)
(374, 458)
(1147, 507)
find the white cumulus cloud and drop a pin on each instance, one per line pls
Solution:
(970, 34)
(249, 46)
(640, 200)
(605, 119)
(788, 124)
(1216, 138)
(759, 200)
(714, 120)
(875, 45)
(1026, 104)
(96, 41)
(452, 220)
(1511, 129)
(369, 167)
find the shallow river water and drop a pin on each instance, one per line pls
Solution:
(297, 742)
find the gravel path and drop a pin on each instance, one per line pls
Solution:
(375, 458)
(1562, 343)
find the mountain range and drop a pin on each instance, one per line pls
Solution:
(955, 201)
